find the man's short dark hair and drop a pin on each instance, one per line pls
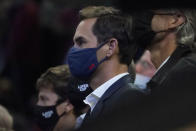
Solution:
(112, 23)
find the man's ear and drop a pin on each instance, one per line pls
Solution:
(176, 20)
(113, 47)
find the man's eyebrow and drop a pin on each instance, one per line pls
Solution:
(44, 97)
(79, 39)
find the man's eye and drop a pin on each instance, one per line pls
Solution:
(43, 99)
(79, 43)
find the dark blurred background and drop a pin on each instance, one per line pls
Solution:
(36, 35)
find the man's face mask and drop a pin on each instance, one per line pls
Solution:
(83, 62)
(142, 29)
(46, 117)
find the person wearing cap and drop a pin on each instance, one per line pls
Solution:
(60, 99)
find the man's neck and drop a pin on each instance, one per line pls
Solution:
(107, 71)
(162, 50)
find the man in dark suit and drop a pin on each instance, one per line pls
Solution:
(103, 49)
(173, 85)
(169, 35)
(171, 102)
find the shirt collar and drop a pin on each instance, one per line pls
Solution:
(162, 64)
(101, 89)
(93, 98)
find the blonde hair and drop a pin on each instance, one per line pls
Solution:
(6, 120)
(97, 11)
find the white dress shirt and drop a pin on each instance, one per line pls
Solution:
(162, 64)
(94, 97)
(79, 120)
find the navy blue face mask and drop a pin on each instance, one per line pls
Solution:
(83, 62)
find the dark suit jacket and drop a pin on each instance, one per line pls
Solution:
(183, 57)
(173, 88)
(121, 93)
(170, 105)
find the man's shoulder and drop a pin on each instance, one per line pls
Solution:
(127, 94)
(123, 89)
(129, 87)
(131, 91)
(190, 59)
(186, 64)
(182, 74)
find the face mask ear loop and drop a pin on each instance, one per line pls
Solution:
(183, 24)
(102, 44)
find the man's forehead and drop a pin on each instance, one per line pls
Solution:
(86, 24)
(84, 27)
(46, 88)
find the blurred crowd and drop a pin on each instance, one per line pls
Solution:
(37, 78)
(35, 35)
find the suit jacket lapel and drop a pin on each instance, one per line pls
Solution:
(161, 75)
(111, 90)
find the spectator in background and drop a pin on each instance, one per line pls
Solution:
(60, 99)
(23, 61)
(6, 120)
(5, 6)
(57, 23)
(169, 34)
(144, 70)
(35, 29)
